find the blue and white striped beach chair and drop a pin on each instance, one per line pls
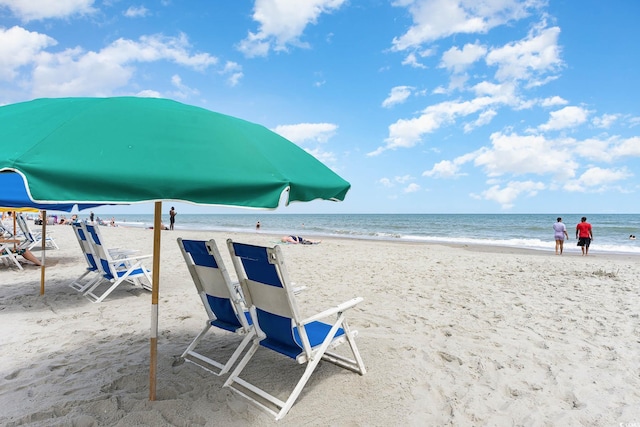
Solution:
(281, 328)
(33, 239)
(115, 270)
(222, 301)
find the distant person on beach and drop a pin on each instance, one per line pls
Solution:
(91, 216)
(299, 239)
(257, 225)
(584, 234)
(172, 217)
(559, 233)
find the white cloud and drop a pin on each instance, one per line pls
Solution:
(449, 169)
(392, 182)
(233, 71)
(403, 179)
(594, 149)
(531, 154)
(406, 133)
(567, 117)
(325, 157)
(282, 22)
(529, 58)
(605, 121)
(183, 90)
(74, 72)
(412, 61)
(436, 19)
(634, 121)
(32, 10)
(18, 48)
(398, 95)
(505, 92)
(597, 179)
(444, 169)
(386, 182)
(412, 188)
(608, 150)
(506, 195)
(149, 94)
(484, 118)
(457, 60)
(629, 147)
(136, 12)
(553, 101)
(302, 132)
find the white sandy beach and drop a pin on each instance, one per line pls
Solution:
(460, 336)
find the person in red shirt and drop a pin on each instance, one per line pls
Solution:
(584, 234)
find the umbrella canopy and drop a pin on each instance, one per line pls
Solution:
(127, 150)
(15, 197)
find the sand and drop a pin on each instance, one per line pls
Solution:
(454, 336)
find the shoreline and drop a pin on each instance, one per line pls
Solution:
(478, 247)
(509, 230)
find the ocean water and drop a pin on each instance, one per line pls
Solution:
(531, 231)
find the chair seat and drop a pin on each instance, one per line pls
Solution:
(135, 272)
(316, 332)
(231, 327)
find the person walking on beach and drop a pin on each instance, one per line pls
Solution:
(172, 217)
(258, 226)
(584, 234)
(559, 233)
(91, 217)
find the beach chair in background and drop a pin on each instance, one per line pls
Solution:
(5, 231)
(115, 270)
(82, 283)
(32, 239)
(6, 255)
(280, 327)
(222, 300)
(93, 271)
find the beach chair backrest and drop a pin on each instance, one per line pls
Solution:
(24, 227)
(85, 245)
(5, 231)
(106, 262)
(266, 287)
(213, 283)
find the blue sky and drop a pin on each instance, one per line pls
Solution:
(424, 106)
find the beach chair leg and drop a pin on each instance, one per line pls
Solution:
(196, 340)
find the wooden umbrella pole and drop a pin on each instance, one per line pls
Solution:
(15, 224)
(155, 288)
(44, 243)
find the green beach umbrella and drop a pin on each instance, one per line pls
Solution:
(128, 150)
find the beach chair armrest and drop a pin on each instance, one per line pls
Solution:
(334, 310)
(134, 258)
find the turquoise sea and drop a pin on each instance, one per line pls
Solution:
(532, 231)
